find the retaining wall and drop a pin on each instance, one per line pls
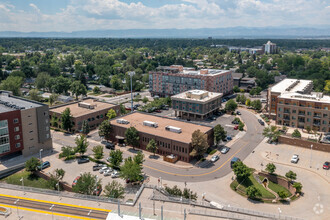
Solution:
(280, 181)
(304, 143)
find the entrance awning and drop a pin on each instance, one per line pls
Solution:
(120, 137)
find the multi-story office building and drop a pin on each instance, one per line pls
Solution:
(196, 104)
(172, 136)
(168, 81)
(91, 110)
(270, 48)
(24, 126)
(291, 102)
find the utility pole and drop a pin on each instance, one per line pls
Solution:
(131, 77)
(311, 156)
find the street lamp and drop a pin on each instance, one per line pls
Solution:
(58, 189)
(131, 74)
(89, 213)
(22, 180)
(40, 153)
(51, 209)
(311, 156)
(15, 203)
(279, 212)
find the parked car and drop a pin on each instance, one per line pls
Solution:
(158, 110)
(75, 181)
(97, 191)
(236, 127)
(83, 160)
(235, 122)
(326, 165)
(229, 138)
(115, 174)
(224, 150)
(238, 113)
(214, 158)
(107, 172)
(44, 165)
(295, 158)
(97, 166)
(261, 122)
(103, 169)
(109, 145)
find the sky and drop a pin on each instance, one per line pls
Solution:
(76, 15)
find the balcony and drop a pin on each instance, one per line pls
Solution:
(317, 116)
(286, 118)
(286, 112)
(301, 113)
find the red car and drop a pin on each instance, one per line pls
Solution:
(97, 191)
(326, 165)
(236, 127)
(75, 181)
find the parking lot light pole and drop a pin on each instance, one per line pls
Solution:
(279, 212)
(51, 209)
(15, 203)
(89, 213)
(131, 77)
(40, 153)
(22, 180)
(311, 156)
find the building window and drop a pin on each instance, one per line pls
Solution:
(30, 132)
(47, 136)
(47, 128)
(294, 111)
(4, 148)
(4, 140)
(16, 129)
(17, 137)
(3, 123)
(18, 145)
(15, 120)
(309, 113)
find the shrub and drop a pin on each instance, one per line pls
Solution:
(298, 186)
(252, 192)
(270, 168)
(296, 134)
(283, 194)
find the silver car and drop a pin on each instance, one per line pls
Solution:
(224, 150)
(214, 158)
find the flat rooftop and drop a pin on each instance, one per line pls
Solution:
(136, 120)
(314, 97)
(10, 103)
(197, 95)
(178, 69)
(77, 111)
(282, 86)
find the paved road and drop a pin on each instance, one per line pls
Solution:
(241, 149)
(56, 208)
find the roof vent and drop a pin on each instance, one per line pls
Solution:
(173, 129)
(150, 124)
(122, 121)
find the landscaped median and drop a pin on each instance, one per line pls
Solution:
(263, 186)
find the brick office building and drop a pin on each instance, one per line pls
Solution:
(168, 81)
(24, 126)
(196, 104)
(291, 102)
(91, 110)
(172, 136)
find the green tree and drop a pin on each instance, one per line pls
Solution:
(114, 190)
(219, 133)
(231, 106)
(241, 126)
(34, 95)
(67, 152)
(270, 168)
(256, 104)
(198, 143)
(111, 114)
(53, 98)
(298, 186)
(98, 152)
(252, 192)
(32, 164)
(13, 84)
(188, 194)
(145, 100)
(308, 129)
(116, 82)
(86, 184)
(105, 129)
(66, 119)
(236, 89)
(139, 158)
(296, 134)
(41, 80)
(132, 137)
(283, 194)
(96, 90)
(241, 170)
(248, 102)
(131, 170)
(116, 157)
(152, 146)
(85, 127)
(291, 175)
(78, 89)
(272, 133)
(81, 144)
(122, 109)
(59, 174)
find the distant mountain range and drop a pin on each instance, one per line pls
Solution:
(235, 32)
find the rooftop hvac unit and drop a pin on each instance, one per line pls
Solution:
(122, 121)
(150, 124)
(86, 105)
(173, 129)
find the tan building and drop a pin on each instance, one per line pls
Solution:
(91, 110)
(172, 136)
(196, 104)
(291, 102)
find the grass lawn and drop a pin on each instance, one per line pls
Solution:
(251, 181)
(276, 188)
(29, 180)
(108, 96)
(95, 94)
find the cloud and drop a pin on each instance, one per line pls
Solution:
(116, 14)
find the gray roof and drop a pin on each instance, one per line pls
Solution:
(237, 75)
(11, 103)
